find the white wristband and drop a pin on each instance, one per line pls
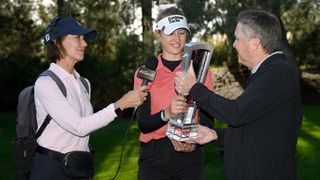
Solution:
(163, 117)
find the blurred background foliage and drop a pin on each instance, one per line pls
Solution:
(125, 38)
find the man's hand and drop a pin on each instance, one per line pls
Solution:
(185, 80)
(205, 135)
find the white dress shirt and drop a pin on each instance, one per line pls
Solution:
(72, 117)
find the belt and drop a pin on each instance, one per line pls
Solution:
(54, 155)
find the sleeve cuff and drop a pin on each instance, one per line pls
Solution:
(195, 88)
(163, 117)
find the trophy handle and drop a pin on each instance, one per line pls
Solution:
(195, 48)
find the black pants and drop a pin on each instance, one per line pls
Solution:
(159, 161)
(45, 168)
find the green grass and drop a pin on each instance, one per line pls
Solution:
(308, 151)
(108, 143)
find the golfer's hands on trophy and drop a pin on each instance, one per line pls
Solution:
(183, 146)
(178, 105)
(204, 135)
(185, 80)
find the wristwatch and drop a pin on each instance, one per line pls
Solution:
(117, 110)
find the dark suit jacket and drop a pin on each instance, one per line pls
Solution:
(263, 123)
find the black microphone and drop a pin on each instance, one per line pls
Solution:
(147, 72)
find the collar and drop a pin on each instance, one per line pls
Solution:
(162, 66)
(62, 73)
(255, 69)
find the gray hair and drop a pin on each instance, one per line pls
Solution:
(262, 25)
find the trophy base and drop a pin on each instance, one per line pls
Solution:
(181, 132)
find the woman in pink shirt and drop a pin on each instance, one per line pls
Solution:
(161, 157)
(72, 117)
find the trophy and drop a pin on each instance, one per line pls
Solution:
(184, 127)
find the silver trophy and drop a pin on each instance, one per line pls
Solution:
(184, 127)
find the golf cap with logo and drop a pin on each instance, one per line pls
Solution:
(64, 26)
(172, 23)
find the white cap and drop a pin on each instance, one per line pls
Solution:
(172, 23)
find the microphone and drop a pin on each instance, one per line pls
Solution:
(147, 72)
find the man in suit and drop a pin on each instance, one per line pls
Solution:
(264, 122)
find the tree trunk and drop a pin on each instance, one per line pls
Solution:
(274, 7)
(147, 32)
(60, 8)
(287, 50)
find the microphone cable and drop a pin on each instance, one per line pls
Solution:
(148, 74)
(124, 143)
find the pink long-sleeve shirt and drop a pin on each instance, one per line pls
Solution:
(73, 117)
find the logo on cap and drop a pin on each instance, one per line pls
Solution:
(47, 37)
(173, 19)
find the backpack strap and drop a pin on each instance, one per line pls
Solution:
(60, 83)
(62, 88)
(85, 83)
(64, 92)
(57, 80)
(43, 126)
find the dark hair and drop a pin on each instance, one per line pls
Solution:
(168, 12)
(54, 49)
(262, 25)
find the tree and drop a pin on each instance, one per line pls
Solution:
(222, 14)
(19, 33)
(304, 31)
(129, 12)
(61, 12)
(274, 7)
(147, 32)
